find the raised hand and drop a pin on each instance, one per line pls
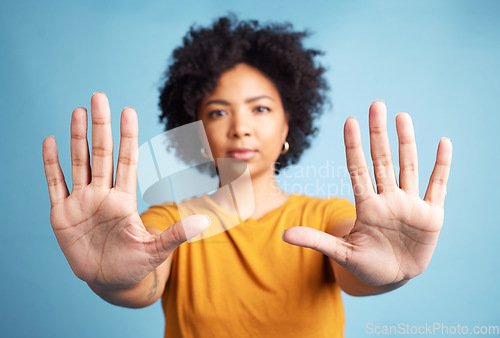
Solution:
(98, 227)
(395, 232)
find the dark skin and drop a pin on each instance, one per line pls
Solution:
(106, 244)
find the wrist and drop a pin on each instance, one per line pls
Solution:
(110, 287)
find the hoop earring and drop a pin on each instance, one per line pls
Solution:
(286, 147)
(204, 152)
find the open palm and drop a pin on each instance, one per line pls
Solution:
(98, 227)
(395, 232)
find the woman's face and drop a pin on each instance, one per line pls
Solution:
(244, 119)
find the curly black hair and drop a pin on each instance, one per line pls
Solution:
(275, 49)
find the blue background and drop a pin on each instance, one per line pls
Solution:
(437, 60)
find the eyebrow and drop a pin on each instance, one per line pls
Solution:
(226, 103)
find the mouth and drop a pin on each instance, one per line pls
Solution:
(242, 154)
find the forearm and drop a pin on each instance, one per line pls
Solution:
(351, 284)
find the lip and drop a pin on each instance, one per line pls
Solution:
(242, 153)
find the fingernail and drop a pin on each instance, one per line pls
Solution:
(193, 227)
(350, 117)
(282, 234)
(97, 92)
(378, 100)
(129, 107)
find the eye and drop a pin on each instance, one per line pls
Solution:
(262, 109)
(216, 113)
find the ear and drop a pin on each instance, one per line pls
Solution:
(285, 128)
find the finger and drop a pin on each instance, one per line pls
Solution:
(165, 243)
(126, 172)
(380, 149)
(356, 162)
(102, 141)
(333, 247)
(58, 190)
(436, 191)
(408, 160)
(80, 158)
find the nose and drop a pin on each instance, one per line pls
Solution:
(240, 125)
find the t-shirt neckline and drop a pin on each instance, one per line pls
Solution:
(251, 219)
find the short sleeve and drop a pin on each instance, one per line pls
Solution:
(160, 216)
(337, 210)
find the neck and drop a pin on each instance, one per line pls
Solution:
(267, 195)
(265, 187)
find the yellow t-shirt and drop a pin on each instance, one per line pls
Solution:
(248, 282)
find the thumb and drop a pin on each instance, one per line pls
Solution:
(187, 228)
(331, 246)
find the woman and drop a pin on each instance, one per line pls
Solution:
(257, 92)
